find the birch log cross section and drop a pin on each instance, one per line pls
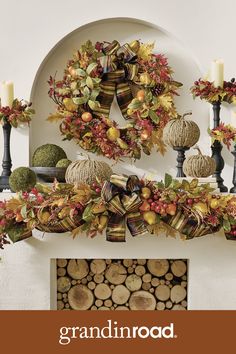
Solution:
(102, 291)
(133, 282)
(142, 300)
(98, 266)
(158, 267)
(78, 268)
(177, 293)
(178, 268)
(120, 295)
(80, 297)
(126, 284)
(116, 274)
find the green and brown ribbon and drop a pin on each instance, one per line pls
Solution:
(121, 195)
(119, 64)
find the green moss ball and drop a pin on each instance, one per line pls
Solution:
(63, 163)
(22, 179)
(48, 155)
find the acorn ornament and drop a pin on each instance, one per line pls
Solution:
(199, 165)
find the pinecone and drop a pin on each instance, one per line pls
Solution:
(158, 89)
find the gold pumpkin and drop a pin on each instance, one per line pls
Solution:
(88, 171)
(181, 133)
(199, 165)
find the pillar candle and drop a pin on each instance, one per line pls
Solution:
(7, 93)
(217, 73)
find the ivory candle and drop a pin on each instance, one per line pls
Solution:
(7, 93)
(217, 73)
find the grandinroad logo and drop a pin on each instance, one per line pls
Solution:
(114, 331)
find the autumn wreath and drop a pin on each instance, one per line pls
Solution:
(140, 80)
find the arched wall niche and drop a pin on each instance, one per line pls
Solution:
(185, 67)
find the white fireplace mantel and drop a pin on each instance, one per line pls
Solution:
(25, 266)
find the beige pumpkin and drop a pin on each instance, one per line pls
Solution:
(180, 132)
(199, 165)
(88, 171)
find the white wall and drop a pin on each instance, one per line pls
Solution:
(28, 31)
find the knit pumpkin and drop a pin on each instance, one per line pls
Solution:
(88, 171)
(181, 133)
(199, 165)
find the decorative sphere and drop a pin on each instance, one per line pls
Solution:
(22, 179)
(48, 155)
(63, 163)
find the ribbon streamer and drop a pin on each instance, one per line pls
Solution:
(123, 201)
(119, 70)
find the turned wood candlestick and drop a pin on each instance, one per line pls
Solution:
(180, 160)
(233, 189)
(217, 148)
(6, 162)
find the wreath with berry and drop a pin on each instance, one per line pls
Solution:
(139, 79)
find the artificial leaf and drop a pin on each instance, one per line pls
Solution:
(86, 92)
(13, 204)
(166, 101)
(80, 100)
(55, 117)
(135, 104)
(194, 183)
(91, 67)
(24, 211)
(226, 225)
(80, 72)
(93, 105)
(77, 231)
(185, 185)
(87, 214)
(145, 50)
(154, 117)
(89, 82)
(94, 94)
(168, 180)
(161, 147)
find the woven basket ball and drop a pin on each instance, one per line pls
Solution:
(180, 132)
(88, 171)
(199, 165)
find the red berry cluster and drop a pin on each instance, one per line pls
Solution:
(232, 232)
(96, 187)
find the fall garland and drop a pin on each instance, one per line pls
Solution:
(142, 205)
(20, 112)
(225, 134)
(140, 80)
(206, 90)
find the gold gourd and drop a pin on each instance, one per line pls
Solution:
(88, 171)
(199, 165)
(180, 132)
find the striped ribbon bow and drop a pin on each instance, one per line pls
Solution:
(123, 202)
(119, 70)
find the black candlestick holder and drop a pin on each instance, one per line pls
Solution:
(180, 160)
(217, 148)
(233, 189)
(6, 162)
